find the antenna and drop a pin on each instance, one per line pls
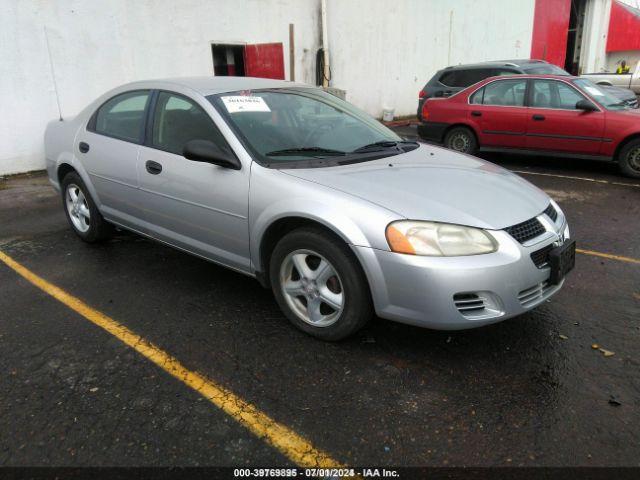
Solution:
(53, 73)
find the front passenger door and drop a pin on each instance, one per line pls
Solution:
(197, 206)
(555, 124)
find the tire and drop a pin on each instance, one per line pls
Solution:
(84, 217)
(461, 139)
(629, 159)
(344, 285)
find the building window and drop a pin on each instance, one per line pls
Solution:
(228, 60)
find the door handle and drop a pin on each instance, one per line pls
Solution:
(154, 168)
(539, 118)
(475, 113)
(83, 147)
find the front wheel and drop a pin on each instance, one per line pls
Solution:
(319, 284)
(629, 159)
(461, 139)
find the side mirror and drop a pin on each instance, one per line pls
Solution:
(208, 152)
(586, 105)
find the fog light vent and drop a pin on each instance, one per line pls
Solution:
(477, 305)
(468, 302)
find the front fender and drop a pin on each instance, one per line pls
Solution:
(275, 196)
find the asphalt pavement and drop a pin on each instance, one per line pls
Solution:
(531, 391)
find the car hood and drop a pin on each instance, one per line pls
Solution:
(621, 93)
(432, 183)
(631, 112)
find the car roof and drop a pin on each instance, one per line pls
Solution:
(499, 63)
(214, 85)
(539, 75)
(563, 78)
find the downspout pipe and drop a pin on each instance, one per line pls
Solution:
(325, 44)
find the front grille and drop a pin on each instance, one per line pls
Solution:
(541, 257)
(468, 303)
(534, 294)
(551, 212)
(526, 230)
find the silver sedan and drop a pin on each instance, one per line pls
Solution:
(320, 202)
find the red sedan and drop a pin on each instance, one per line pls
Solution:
(541, 114)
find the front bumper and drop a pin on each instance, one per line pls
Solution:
(436, 292)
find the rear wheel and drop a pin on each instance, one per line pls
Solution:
(461, 139)
(629, 159)
(82, 213)
(319, 284)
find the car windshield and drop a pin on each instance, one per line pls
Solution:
(605, 99)
(544, 69)
(285, 126)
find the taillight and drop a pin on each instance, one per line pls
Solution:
(425, 112)
(422, 94)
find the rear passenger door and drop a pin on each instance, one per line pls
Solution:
(108, 149)
(193, 205)
(499, 114)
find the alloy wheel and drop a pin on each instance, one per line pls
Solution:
(312, 288)
(78, 208)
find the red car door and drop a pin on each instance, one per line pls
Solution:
(554, 123)
(498, 111)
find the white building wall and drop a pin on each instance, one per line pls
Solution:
(383, 52)
(98, 45)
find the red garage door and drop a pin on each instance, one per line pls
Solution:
(550, 29)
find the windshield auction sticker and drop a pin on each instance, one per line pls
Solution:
(236, 104)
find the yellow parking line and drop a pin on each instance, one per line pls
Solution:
(585, 179)
(295, 447)
(609, 256)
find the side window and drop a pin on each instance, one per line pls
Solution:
(505, 92)
(554, 94)
(465, 78)
(476, 98)
(122, 116)
(474, 75)
(567, 96)
(450, 79)
(178, 120)
(541, 96)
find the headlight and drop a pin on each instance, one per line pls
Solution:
(438, 239)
